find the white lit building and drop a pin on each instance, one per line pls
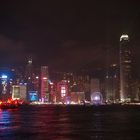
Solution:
(125, 69)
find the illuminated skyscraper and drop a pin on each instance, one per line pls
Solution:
(29, 69)
(44, 84)
(4, 87)
(125, 69)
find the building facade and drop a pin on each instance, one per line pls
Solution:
(112, 84)
(125, 69)
(44, 84)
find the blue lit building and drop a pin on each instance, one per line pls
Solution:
(6, 81)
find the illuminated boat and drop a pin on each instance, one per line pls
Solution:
(8, 104)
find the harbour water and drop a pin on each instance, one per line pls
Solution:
(52, 122)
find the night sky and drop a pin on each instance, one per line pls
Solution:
(67, 35)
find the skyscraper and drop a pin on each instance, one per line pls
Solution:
(125, 69)
(44, 84)
(112, 84)
(29, 69)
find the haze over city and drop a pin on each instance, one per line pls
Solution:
(67, 35)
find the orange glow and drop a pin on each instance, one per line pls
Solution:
(9, 101)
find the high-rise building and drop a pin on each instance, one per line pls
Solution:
(125, 69)
(29, 69)
(112, 84)
(29, 74)
(4, 87)
(62, 91)
(44, 84)
(19, 92)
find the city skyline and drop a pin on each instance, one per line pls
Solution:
(69, 69)
(67, 36)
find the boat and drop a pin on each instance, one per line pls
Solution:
(8, 104)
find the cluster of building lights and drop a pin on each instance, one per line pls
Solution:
(62, 88)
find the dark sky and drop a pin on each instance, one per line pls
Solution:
(67, 35)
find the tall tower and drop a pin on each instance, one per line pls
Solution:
(29, 68)
(112, 84)
(44, 84)
(29, 75)
(125, 69)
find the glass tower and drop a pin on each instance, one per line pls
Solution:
(125, 69)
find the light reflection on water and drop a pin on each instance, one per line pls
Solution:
(8, 123)
(69, 122)
(4, 120)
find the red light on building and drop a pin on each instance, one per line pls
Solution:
(44, 84)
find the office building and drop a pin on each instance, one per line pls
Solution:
(44, 84)
(125, 69)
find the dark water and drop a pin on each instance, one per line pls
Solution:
(70, 123)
